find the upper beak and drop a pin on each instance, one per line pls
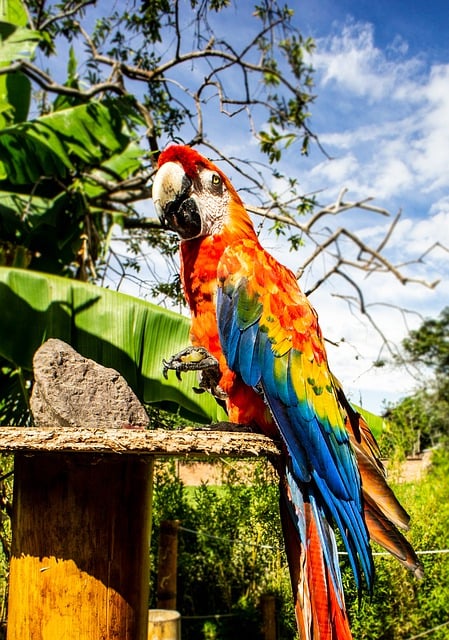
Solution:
(172, 197)
(170, 183)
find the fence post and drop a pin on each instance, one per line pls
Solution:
(268, 611)
(80, 548)
(167, 564)
(164, 625)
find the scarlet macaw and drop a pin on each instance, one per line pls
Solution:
(250, 317)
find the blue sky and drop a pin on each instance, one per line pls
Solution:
(421, 24)
(382, 113)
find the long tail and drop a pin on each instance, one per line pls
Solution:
(382, 510)
(310, 542)
(313, 563)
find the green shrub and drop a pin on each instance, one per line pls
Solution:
(235, 555)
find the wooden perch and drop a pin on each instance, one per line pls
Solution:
(186, 443)
(82, 501)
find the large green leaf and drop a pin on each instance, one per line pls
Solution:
(13, 205)
(116, 330)
(15, 97)
(16, 43)
(51, 145)
(118, 167)
(376, 423)
(13, 11)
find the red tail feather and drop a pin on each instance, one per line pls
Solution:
(320, 612)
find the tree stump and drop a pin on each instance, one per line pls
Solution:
(81, 523)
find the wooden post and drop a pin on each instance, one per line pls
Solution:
(80, 549)
(167, 564)
(164, 625)
(81, 524)
(268, 610)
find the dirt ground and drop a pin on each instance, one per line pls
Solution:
(412, 469)
(198, 472)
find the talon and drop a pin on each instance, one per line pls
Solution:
(197, 359)
(190, 359)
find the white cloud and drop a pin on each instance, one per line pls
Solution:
(383, 116)
(350, 60)
(441, 205)
(431, 157)
(337, 170)
(393, 175)
(389, 131)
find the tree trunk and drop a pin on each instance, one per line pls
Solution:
(268, 610)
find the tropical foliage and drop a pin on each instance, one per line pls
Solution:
(84, 159)
(231, 552)
(421, 420)
(121, 332)
(53, 168)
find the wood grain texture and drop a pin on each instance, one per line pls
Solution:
(80, 550)
(202, 442)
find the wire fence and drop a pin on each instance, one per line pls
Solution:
(386, 554)
(422, 552)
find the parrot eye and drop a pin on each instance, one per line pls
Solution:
(216, 180)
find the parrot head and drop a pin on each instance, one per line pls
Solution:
(192, 196)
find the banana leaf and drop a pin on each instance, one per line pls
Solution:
(14, 12)
(52, 145)
(114, 329)
(376, 423)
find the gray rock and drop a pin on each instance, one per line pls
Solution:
(71, 391)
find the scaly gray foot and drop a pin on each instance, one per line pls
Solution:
(197, 359)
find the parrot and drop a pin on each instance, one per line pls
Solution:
(256, 338)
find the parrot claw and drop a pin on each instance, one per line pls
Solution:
(197, 359)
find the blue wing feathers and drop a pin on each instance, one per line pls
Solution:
(321, 458)
(294, 448)
(248, 356)
(352, 530)
(228, 330)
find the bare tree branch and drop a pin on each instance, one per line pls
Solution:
(46, 82)
(238, 80)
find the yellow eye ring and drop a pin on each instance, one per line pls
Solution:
(216, 180)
